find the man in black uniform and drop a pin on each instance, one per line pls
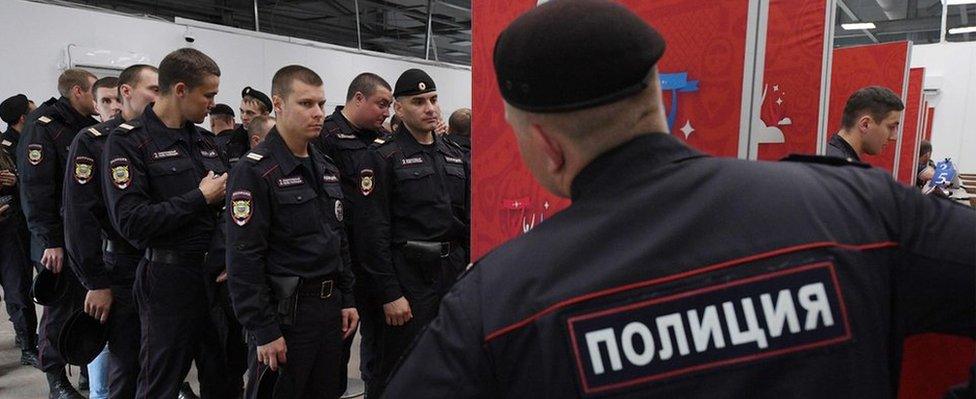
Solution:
(225, 132)
(42, 156)
(652, 284)
(106, 263)
(871, 117)
(164, 184)
(253, 103)
(287, 253)
(16, 269)
(459, 129)
(413, 222)
(346, 134)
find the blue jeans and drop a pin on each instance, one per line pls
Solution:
(98, 376)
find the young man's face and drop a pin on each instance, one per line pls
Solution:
(145, 91)
(249, 109)
(878, 133)
(420, 113)
(374, 110)
(301, 111)
(195, 103)
(107, 102)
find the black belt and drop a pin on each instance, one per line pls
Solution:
(175, 257)
(118, 247)
(320, 287)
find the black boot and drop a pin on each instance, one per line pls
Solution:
(186, 392)
(83, 379)
(28, 350)
(60, 386)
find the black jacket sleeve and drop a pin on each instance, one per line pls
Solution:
(40, 182)
(82, 207)
(373, 224)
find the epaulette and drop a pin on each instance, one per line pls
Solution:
(824, 160)
(254, 157)
(44, 119)
(128, 127)
(6, 143)
(93, 132)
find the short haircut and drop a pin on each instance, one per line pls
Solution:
(106, 82)
(72, 77)
(259, 126)
(924, 147)
(460, 122)
(133, 74)
(228, 119)
(254, 100)
(281, 83)
(875, 101)
(366, 83)
(186, 65)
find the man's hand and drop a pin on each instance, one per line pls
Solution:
(3, 212)
(52, 259)
(273, 353)
(213, 187)
(441, 127)
(222, 277)
(397, 312)
(350, 320)
(7, 178)
(98, 303)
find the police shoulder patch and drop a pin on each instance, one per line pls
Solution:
(241, 209)
(84, 166)
(35, 154)
(120, 172)
(366, 181)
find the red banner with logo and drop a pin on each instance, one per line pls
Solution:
(706, 42)
(912, 129)
(873, 65)
(792, 82)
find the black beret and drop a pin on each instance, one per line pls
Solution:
(567, 55)
(13, 108)
(222, 109)
(81, 339)
(263, 98)
(413, 82)
(48, 288)
(266, 384)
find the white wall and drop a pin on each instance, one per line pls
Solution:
(951, 67)
(36, 36)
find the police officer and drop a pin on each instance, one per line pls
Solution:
(664, 278)
(164, 184)
(459, 129)
(41, 160)
(253, 103)
(287, 253)
(346, 134)
(225, 132)
(15, 269)
(871, 117)
(413, 222)
(106, 262)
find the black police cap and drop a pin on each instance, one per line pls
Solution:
(263, 98)
(13, 108)
(266, 384)
(413, 82)
(222, 109)
(48, 288)
(567, 55)
(81, 339)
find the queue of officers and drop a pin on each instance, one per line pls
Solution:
(672, 274)
(252, 250)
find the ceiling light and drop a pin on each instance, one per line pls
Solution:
(959, 31)
(859, 25)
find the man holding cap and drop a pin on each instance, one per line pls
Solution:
(652, 284)
(413, 221)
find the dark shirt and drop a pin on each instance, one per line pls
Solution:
(151, 190)
(84, 206)
(42, 156)
(233, 144)
(9, 141)
(284, 219)
(652, 284)
(840, 148)
(414, 193)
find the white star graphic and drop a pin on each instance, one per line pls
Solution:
(775, 87)
(687, 129)
(779, 101)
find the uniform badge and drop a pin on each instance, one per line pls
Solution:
(83, 169)
(120, 173)
(241, 206)
(422, 86)
(35, 154)
(338, 210)
(366, 181)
